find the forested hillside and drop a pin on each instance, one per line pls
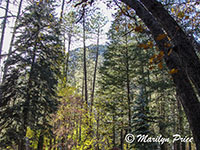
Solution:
(64, 88)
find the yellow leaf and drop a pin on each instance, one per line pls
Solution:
(173, 71)
(152, 58)
(128, 7)
(145, 46)
(161, 54)
(117, 28)
(172, 10)
(161, 36)
(181, 14)
(139, 29)
(170, 51)
(49, 27)
(160, 65)
(141, 45)
(37, 3)
(150, 43)
(129, 26)
(50, 15)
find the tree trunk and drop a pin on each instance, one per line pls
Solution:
(62, 10)
(113, 130)
(29, 87)
(12, 40)
(122, 137)
(185, 50)
(97, 133)
(40, 142)
(186, 92)
(95, 70)
(84, 59)
(4, 28)
(21, 145)
(128, 80)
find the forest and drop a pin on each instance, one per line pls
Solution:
(100, 75)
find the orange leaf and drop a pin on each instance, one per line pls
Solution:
(161, 36)
(152, 58)
(160, 65)
(167, 45)
(187, 17)
(139, 29)
(170, 51)
(161, 54)
(129, 26)
(181, 14)
(117, 28)
(151, 67)
(145, 46)
(150, 43)
(173, 71)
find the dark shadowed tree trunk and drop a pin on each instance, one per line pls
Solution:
(84, 58)
(182, 58)
(95, 70)
(40, 142)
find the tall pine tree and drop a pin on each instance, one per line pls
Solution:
(29, 89)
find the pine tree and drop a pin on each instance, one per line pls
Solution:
(141, 123)
(29, 89)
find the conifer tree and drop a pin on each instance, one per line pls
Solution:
(29, 89)
(141, 123)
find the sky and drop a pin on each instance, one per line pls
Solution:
(9, 27)
(106, 12)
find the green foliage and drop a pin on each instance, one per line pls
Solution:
(29, 90)
(141, 121)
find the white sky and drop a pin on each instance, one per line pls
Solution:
(13, 8)
(106, 12)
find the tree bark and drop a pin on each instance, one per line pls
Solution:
(97, 132)
(62, 10)
(188, 58)
(128, 80)
(186, 92)
(40, 142)
(95, 70)
(84, 59)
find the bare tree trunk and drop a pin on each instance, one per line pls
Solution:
(84, 59)
(4, 27)
(95, 70)
(40, 142)
(12, 39)
(97, 133)
(186, 92)
(122, 137)
(62, 10)
(114, 134)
